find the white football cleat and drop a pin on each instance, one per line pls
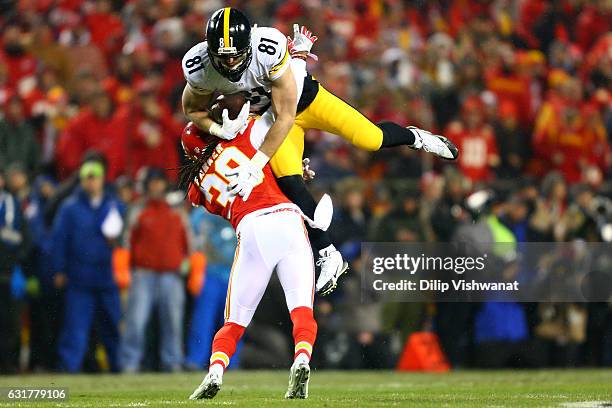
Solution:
(299, 376)
(332, 267)
(436, 144)
(209, 387)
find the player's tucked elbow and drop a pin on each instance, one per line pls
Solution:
(193, 104)
(187, 101)
(191, 112)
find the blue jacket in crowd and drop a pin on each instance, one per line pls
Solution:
(79, 248)
(14, 237)
(42, 240)
(215, 236)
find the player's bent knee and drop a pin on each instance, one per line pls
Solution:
(291, 184)
(295, 189)
(341, 118)
(282, 166)
(369, 138)
(287, 161)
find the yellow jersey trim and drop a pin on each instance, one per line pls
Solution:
(278, 66)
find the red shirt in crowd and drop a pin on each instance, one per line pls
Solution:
(19, 67)
(512, 88)
(158, 237)
(592, 24)
(145, 141)
(106, 31)
(478, 150)
(87, 131)
(569, 138)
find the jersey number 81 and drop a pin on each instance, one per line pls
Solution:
(265, 45)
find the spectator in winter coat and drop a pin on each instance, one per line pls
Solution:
(85, 227)
(352, 218)
(450, 212)
(159, 240)
(512, 142)
(17, 139)
(46, 308)
(14, 247)
(402, 223)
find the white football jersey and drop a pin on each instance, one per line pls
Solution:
(269, 61)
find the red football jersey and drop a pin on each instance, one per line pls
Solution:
(478, 149)
(213, 192)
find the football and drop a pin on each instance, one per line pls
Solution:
(232, 102)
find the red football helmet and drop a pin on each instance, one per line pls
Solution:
(194, 140)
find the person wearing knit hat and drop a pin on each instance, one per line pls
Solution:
(84, 231)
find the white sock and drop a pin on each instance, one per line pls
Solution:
(326, 251)
(216, 369)
(301, 358)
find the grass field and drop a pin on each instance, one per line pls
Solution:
(569, 388)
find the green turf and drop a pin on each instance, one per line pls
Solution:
(559, 388)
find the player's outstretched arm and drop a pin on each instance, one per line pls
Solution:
(284, 101)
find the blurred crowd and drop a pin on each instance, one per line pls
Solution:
(97, 248)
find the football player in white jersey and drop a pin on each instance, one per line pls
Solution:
(239, 58)
(235, 58)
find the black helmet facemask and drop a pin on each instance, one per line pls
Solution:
(233, 73)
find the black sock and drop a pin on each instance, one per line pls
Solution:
(295, 190)
(395, 135)
(319, 239)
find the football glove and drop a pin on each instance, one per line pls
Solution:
(231, 128)
(300, 45)
(245, 177)
(307, 173)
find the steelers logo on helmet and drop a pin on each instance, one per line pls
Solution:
(228, 35)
